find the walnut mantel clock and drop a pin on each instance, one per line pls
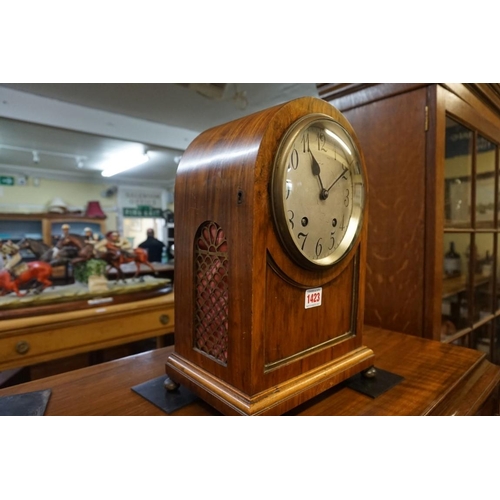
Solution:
(270, 261)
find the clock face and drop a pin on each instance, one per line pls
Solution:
(317, 191)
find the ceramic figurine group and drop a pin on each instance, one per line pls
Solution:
(113, 249)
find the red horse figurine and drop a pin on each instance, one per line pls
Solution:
(37, 270)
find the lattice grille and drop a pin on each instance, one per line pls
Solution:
(211, 276)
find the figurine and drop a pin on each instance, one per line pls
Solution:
(70, 248)
(16, 272)
(67, 242)
(39, 249)
(115, 245)
(37, 273)
(116, 250)
(90, 237)
(11, 252)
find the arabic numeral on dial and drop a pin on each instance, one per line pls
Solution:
(305, 143)
(319, 247)
(332, 239)
(321, 141)
(302, 235)
(290, 220)
(344, 170)
(294, 160)
(346, 199)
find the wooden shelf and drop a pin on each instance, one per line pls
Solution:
(49, 219)
(452, 286)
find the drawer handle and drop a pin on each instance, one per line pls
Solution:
(164, 319)
(22, 347)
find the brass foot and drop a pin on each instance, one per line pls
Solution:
(370, 372)
(170, 385)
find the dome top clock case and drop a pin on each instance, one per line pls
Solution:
(270, 260)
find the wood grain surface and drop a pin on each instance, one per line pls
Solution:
(396, 239)
(439, 379)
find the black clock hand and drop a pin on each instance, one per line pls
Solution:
(344, 170)
(316, 170)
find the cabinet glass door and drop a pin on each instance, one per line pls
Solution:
(470, 303)
(456, 284)
(458, 175)
(485, 183)
(482, 286)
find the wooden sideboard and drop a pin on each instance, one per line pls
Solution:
(439, 379)
(54, 332)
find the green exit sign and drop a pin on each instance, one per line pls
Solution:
(6, 180)
(142, 211)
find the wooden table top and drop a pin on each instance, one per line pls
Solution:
(438, 379)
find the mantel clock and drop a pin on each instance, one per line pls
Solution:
(270, 261)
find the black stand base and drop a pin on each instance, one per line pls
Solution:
(30, 404)
(170, 401)
(155, 392)
(374, 386)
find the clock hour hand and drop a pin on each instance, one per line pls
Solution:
(316, 170)
(344, 170)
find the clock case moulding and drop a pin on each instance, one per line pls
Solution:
(265, 353)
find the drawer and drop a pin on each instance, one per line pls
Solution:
(74, 333)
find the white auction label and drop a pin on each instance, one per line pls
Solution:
(313, 297)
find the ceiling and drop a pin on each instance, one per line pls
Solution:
(72, 129)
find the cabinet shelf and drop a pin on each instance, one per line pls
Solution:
(449, 339)
(458, 284)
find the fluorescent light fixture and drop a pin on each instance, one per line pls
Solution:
(122, 163)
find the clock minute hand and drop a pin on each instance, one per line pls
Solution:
(344, 170)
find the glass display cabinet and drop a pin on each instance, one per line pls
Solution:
(432, 156)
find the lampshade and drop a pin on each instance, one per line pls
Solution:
(57, 205)
(94, 210)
